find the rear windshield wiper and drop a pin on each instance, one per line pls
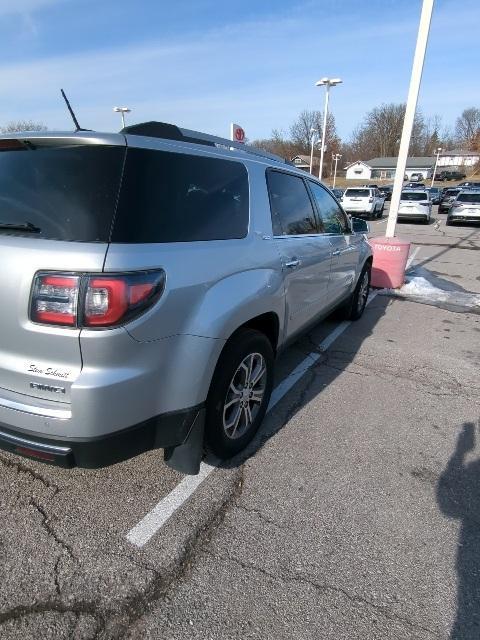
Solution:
(20, 226)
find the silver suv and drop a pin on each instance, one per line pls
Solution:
(147, 281)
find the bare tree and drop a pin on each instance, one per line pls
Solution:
(380, 132)
(300, 131)
(278, 144)
(467, 128)
(23, 125)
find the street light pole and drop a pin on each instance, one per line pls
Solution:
(325, 111)
(327, 82)
(336, 157)
(438, 152)
(417, 68)
(313, 132)
(122, 111)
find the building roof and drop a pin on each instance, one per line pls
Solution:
(423, 162)
(305, 160)
(460, 152)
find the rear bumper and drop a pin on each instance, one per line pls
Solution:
(412, 216)
(166, 430)
(356, 213)
(460, 218)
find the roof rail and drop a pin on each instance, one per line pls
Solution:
(168, 131)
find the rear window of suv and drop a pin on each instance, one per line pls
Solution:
(176, 197)
(357, 193)
(468, 197)
(97, 193)
(59, 193)
(414, 196)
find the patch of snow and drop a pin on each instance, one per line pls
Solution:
(420, 289)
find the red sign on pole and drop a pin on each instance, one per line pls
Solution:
(237, 133)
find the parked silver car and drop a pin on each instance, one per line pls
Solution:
(465, 207)
(147, 281)
(415, 205)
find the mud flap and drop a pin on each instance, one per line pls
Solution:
(187, 457)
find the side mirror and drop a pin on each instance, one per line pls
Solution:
(360, 226)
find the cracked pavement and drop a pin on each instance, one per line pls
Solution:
(331, 525)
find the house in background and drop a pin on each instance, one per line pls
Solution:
(303, 162)
(458, 159)
(384, 168)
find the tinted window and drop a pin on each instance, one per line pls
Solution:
(357, 193)
(292, 210)
(67, 193)
(469, 197)
(175, 197)
(414, 196)
(331, 216)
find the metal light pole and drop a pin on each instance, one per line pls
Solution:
(437, 152)
(313, 132)
(417, 68)
(122, 111)
(336, 157)
(327, 82)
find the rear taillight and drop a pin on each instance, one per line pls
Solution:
(93, 300)
(370, 199)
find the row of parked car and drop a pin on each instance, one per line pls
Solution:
(461, 204)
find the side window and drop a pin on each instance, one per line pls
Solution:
(332, 217)
(290, 204)
(176, 197)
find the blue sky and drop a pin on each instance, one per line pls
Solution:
(202, 64)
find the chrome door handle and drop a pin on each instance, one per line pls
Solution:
(292, 264)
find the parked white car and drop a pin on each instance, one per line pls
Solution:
(363, 201)
(465, 207)
(415, 205)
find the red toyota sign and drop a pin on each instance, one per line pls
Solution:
(237, 133)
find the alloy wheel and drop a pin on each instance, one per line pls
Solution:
(244, 395)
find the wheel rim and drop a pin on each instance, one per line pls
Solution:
(363, 292)
(244, 395)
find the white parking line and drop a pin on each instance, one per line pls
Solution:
(412, 257)
(148, 526)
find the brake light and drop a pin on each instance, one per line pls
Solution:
(370, 199)
(94, 300)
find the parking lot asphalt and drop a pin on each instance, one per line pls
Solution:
(353, 514)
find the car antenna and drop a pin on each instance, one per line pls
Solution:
(75, 121)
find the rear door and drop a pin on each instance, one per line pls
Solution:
(305, 252)
(345, 245)
(56, 208)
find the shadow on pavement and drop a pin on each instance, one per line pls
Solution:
(458, 495)
(324, 371)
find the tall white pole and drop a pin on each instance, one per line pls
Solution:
(311, 153)
(123, 119)
(415, 79)
(439, 151)
(325, 112)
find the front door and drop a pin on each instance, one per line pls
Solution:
(305, 253)
(345, 245)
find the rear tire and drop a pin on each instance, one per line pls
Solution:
(239, 393)
(448, 223)
(356, 305)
